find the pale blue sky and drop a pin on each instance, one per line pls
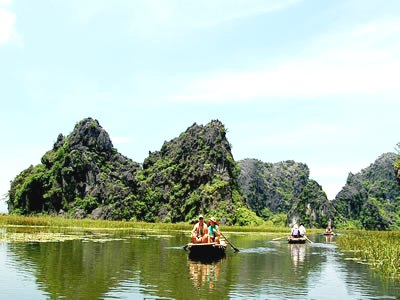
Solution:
(313, 81)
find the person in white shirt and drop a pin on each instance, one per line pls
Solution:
(295, 231)
(302, 230)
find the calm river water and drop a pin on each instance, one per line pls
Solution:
(153, 265)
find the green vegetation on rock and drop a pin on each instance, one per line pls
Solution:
(284, 188)
(192, 174)
(371, 198)
(83, 174)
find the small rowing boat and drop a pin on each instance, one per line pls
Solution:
(206, 250)
(295, 240)
(329, 233)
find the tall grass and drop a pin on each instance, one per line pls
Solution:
(52, 221)
(380, 249)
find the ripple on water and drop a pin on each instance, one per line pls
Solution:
(258, 250)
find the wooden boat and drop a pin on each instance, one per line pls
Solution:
(295, 240)
(329, 233)
(206, 250)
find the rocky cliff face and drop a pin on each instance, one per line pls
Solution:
(371, 196)
(83, 174)
(191, 174)
(284, 187)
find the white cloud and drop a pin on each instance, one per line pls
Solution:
(7, 25)
(7, 21)
(364, 61)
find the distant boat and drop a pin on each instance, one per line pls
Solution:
(207, 251)
(295, 240)
(329, 233)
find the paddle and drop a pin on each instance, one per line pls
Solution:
(279, 238)
(234, 248)
(308, 239)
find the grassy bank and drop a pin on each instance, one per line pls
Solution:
(380, 249)
(51, 221)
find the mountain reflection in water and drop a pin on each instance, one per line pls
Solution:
(137, 265)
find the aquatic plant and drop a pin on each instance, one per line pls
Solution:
(380, 249)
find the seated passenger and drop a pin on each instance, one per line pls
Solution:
(213, 231)
(295, 231)
(302, 230)
(200, 232)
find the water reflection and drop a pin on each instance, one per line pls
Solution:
(329, 238)
(298, 254)
(151, 265)
(204, 273)
(75, 268)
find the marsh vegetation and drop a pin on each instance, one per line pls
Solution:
(380, 249)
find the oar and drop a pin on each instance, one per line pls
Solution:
(308, 239)
(279, 238)
(234, 248)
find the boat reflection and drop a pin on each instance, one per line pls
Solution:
(298, 254)
(203, 274)
(205, 259)
(328, 238)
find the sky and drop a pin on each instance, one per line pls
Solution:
(312, 81)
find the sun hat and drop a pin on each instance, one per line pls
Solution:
(213, 219)
(201, 217)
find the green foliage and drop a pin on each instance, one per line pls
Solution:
(349, 224)
(246, 217)
(374, 216)
(278, 219)
(88, 203)
(266, 213)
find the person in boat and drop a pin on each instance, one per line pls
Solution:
(213, 231)
(328, 230)
(302, 230)
(200, 232)
(295, 231)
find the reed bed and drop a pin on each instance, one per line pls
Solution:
(61, 222)
(380, 249)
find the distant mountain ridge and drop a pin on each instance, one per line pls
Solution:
(85, 176)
